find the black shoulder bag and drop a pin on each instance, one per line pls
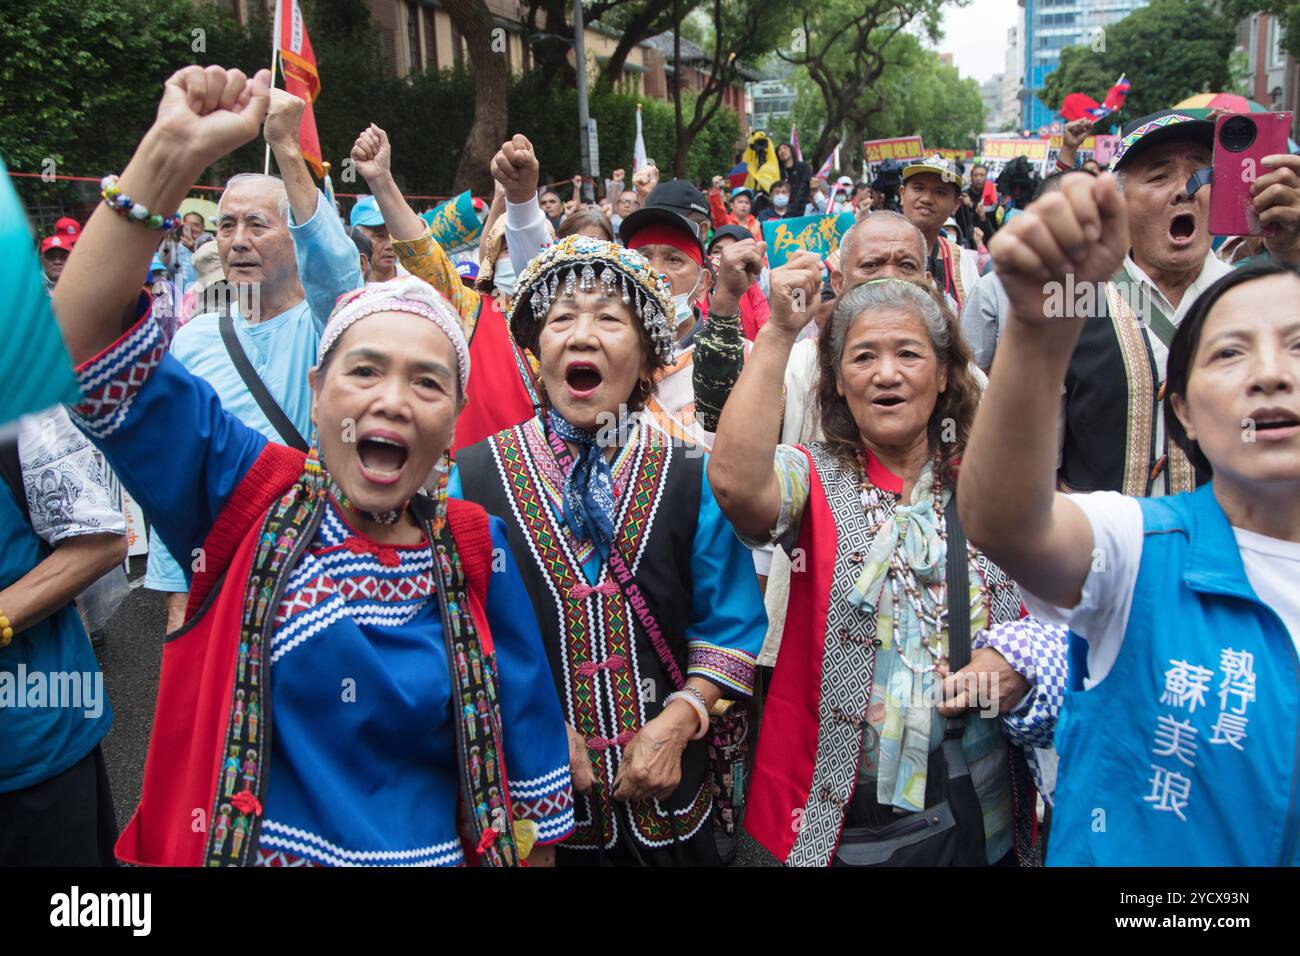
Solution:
(950, 833)
(256, 387)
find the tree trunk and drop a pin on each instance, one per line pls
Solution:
(491, 85)
(637, 29)
(855, 160)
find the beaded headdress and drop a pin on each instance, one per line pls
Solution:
(578, 263)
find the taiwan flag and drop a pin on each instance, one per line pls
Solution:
(298, 65)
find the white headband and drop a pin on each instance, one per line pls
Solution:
(403, 294)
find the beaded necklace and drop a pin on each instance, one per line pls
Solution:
(879, 506)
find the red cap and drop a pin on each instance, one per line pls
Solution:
(67, 226)
(57, 242)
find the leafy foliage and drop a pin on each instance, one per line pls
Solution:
(1170, 50)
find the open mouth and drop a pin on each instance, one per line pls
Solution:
(382, 457)
(887, 401)
(582, 378)
(1275, 421)
(1182, 227)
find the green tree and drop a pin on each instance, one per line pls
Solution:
(80, 79)
(1169, 49)
(744, 31)
(921, 95)
(846, 46)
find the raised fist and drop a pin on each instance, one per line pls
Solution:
(645, 180)
(208, 112)
(1079, 231)
(795, 291)
(283, 119)
(372, 154)
(515, 167)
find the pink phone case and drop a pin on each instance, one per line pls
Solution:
(1236, 167)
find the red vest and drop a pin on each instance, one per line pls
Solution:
(195, 689)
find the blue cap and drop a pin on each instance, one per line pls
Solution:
(366, 212)
(156, 265)
(467, 269)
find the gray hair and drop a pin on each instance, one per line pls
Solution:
(877, 294)
(271, 182)
(881, 215)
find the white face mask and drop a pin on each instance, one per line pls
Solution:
(503, 276)
(780, 200)
(682, 311)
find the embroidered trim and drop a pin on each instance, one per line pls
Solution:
(1141, 393)
(722, 665)
(110, 381)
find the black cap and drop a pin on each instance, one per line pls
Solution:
(657, 215)
(739, 233)
(1164, 126)
(681, 197)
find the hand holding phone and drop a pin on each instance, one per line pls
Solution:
(1241, 141)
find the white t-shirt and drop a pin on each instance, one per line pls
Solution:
(1101, 616)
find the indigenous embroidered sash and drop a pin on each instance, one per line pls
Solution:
(287, 530)
(952, 265)
(1140, 464)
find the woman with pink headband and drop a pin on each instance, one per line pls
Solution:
(413, 722)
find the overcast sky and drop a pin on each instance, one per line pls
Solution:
(976, 35)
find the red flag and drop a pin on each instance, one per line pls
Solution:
(1117, 94)
(298, 64)
(1077, 105)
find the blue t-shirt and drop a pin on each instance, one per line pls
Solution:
(281, 349)
(53, 705)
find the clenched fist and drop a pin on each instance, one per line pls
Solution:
(372, 153)
(795, 291)
(283, 119)
(515, 168)
(1082, 231)
(207, 112)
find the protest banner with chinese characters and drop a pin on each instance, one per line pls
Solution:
(904, 148)
(819, 234)
(997, 152)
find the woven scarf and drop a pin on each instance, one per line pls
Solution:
(913, 533)
(589, 486)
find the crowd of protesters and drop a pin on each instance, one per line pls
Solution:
(622, 542)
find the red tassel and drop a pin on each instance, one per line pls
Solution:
(246, 802)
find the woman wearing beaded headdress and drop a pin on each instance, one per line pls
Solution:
(647, 600)
(852, 729)
(350, 624)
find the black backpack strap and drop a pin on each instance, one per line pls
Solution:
(958, 576)
(256, 387)
(11, 467)
(958, 580)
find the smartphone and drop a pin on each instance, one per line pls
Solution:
(1241, 140)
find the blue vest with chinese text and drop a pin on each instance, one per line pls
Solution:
(1186, 753)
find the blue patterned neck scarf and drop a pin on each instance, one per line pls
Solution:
(589, 487)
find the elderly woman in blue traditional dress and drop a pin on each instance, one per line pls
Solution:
(412, 722)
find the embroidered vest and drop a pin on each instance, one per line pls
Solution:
(805, 776)
(609, 679)
(1185, 754)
